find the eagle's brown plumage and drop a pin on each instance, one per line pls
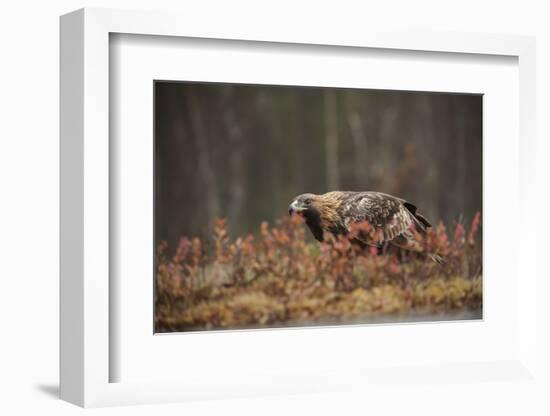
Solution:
(392, 219)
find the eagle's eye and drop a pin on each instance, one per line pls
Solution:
(307, 201)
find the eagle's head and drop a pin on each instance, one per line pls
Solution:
(304, 205)
(319, 211)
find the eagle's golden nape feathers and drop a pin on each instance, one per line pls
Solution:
(389, 219)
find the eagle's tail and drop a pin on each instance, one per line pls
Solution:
(420, 219)
(421, 225)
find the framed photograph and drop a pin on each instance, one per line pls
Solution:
(262, 213)
(244, 242)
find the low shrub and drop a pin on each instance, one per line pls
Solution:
(276, 278)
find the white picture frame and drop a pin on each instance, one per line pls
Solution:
(86, 356)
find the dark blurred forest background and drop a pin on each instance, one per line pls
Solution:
(242, 152)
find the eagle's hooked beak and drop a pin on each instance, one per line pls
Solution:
(296, 207)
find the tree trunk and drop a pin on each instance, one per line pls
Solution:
(207, 173)
(236, 163)
(331, 140)
(359, 140)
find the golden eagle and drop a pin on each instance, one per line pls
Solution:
(391, 220)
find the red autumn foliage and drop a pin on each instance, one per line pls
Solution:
(278, 278)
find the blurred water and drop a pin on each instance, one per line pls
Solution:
(385, 319)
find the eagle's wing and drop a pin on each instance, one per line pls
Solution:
(389, 216)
